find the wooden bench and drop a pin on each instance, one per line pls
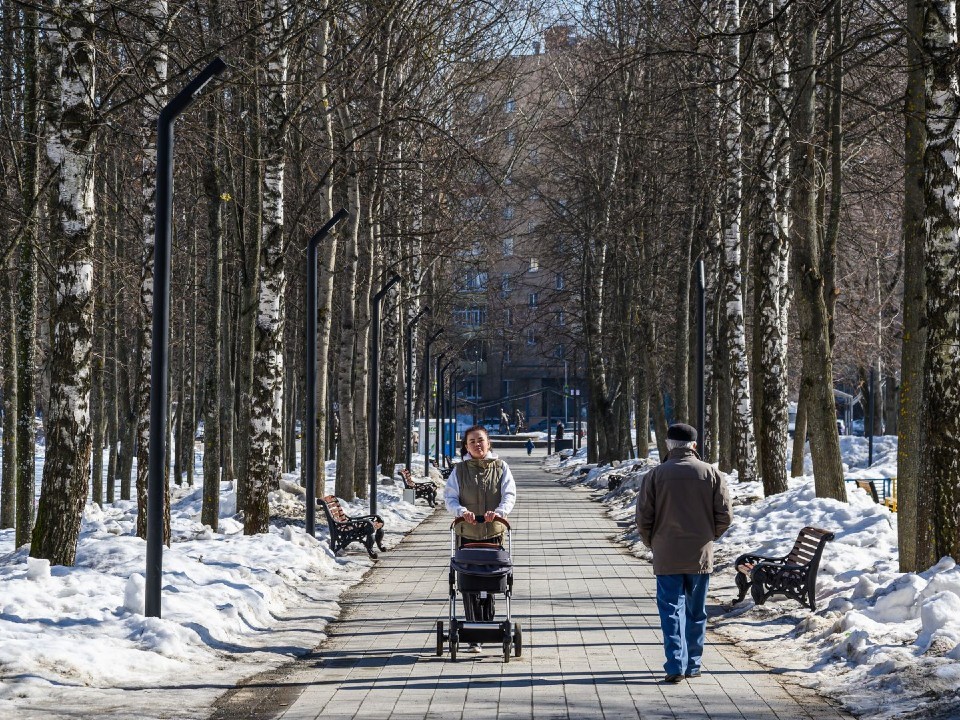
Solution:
(793, 575)
(421, 490)
(344, 529)
(869, 488)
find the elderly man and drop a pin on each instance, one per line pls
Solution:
(683, 506)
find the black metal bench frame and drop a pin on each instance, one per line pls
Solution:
(421, 490)
(364, 529)
(793, 575)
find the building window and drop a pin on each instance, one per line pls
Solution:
(508, 246)
(506, 284)
(534, 264)
(510, 105)
(511, 137)
(534, 299)
(508, 212)
(508, 180)
(560, 282)
(531, 226)
(531, 336)
(508, 316)
(507, 350)
(475, 281)
(561, 320)
(560, 351)
(470, 317)
(507, 387)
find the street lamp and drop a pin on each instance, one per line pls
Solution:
(426, 402)
(701, 357)
(310, 422)
(159, 356)
(443, 408)
(437, 375)
(375, 391)
(423, 311)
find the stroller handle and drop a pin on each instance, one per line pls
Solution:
(498, 518)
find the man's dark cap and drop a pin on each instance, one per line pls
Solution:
(682, 432)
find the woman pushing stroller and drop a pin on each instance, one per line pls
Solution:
(478, 490)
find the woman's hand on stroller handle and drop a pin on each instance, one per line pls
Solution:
(491, 517)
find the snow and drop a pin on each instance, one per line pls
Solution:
(77, 636)
(885, 644)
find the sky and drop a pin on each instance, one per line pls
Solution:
(882, 643)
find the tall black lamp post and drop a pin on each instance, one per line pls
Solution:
(439, 407)
(444, 409)
(701, 357)
(375, 391)
(426, 402)
(161, 329)
(410, 325)
(310, 422)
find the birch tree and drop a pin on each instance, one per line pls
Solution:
(71, 150)
(739, 372)
(154, 68)
(940, 484)
(772, 259)
(266, 411)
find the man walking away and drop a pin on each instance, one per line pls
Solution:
(683, 506)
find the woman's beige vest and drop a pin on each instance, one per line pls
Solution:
(479, 492)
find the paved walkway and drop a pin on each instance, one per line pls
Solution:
(592, 643)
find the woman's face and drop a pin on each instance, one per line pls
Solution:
(477, 444)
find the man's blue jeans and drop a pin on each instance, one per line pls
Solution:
(682, 602)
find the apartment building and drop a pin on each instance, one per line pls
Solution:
(515, 303)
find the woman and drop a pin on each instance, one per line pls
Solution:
(479, 489)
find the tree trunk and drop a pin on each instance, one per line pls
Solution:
(808, 266)
(71, 150)
(770, 333)
(738, 370)
(910, 426)
(347, 460)
(8, 317)
(939, 487)
(154, 69)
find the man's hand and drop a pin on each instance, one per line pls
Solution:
(469, 517)
(490, 515)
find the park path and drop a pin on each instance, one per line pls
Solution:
(592, 642)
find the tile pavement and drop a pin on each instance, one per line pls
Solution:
(592, 643)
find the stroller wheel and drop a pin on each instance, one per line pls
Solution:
(439, 638)
(517, 640)
(454, 644)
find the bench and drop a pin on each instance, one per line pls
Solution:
(869, 488)
(421, 490)
(344, 529)
(444, 471)
(793, 575)
(614, 481)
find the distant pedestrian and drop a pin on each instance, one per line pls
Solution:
(559, 435)
(529, 446)
(683, 506)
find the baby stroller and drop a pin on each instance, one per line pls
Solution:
(484, 568)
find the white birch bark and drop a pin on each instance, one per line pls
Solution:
(940, 479)
(771, 258)
(154, 69)
(743, 433)
(266, 413)
(71, 150)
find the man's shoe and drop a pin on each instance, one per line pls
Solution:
(673, 679)
(693, 674)
(475, 648)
